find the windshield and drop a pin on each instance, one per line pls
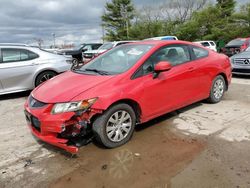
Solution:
(116, 61)
(106, 46)
(205, 44)
(236, 42)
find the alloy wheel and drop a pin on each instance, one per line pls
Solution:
(118, 126)
(218, 89)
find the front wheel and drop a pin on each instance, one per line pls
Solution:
(115, 126)
(217, 90)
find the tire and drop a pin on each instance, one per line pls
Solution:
(44, 76)
(217, 90)
(110, 130)
(75, 64)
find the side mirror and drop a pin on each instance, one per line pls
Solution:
(162, 66)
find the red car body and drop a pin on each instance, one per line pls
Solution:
(181, 86)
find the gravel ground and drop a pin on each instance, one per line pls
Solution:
(202, 145)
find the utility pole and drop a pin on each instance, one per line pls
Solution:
(54, 38)
(102, 33)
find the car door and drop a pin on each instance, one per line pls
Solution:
(171, 89)
(17, 69)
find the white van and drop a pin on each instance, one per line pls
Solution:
(163, 38)
(208, 44)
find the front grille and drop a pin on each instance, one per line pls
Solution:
(241, 70)
(33, 103)
(242, 61)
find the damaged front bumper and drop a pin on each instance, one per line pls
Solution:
(60, 130)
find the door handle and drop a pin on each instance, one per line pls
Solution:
(191, 69)
(34, 63)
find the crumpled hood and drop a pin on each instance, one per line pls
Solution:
(64, 87)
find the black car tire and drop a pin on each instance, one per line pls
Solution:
(44, 76)
(102, 123)
(217, 90)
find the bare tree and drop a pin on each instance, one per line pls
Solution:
(39, 41)
(181, 10)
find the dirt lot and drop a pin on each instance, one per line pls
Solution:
(202, 145)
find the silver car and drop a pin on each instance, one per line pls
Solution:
(23, 67)
(241, 63)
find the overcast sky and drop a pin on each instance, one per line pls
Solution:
(74, 21)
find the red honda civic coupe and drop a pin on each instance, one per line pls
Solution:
(125, 86)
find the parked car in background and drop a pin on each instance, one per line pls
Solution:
(88, 55)
(130, 84)
(23, 67)
(236, 46)
(163, 38)
(241, 63)
(208, 44)
(76, 52)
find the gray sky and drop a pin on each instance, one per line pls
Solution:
(71, 20)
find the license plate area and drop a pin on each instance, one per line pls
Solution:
(33, 121)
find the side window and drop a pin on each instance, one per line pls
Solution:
(174, 54)
(11, 55)
(199, 52)
(14, 55)
(32, 55)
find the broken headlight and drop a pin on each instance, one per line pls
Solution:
(72, 106)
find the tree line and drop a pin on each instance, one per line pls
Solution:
(189, 20)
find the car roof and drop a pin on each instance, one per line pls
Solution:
(163, 42)
(205, 41)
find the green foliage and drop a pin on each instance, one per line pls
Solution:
(218, 21)
(226, 7)
(117, 19)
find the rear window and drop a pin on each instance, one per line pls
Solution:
(236, 42)
(212, 43)
(199, 52)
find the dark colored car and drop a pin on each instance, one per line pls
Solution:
(76, 53)
(236, 46)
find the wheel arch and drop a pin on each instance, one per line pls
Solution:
(225, 78)
(40, 72)
(135, 106)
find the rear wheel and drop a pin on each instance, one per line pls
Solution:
(217, 90)
(115, 127)
(44, 76)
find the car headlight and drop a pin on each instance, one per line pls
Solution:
(73, 106)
